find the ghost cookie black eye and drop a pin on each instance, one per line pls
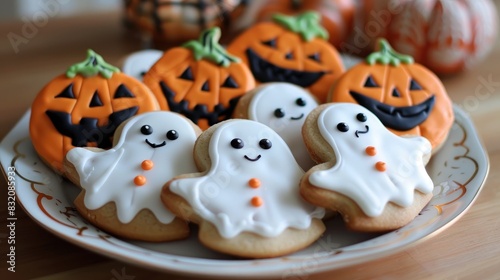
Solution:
(342, 127)
(279, 113)
(172, 135)
(361, 117)
(265, 144)
(146, 129)
(237, 143)
(300, 102)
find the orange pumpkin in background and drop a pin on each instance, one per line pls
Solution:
(200, 80)
(84, 107)
(290, 49)
(407, 97)
(446, 36)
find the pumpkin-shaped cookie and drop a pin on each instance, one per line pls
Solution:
(407, 97)
(83, 107)
(200, 80)
(290, 49)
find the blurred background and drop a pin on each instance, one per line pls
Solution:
(10, 10)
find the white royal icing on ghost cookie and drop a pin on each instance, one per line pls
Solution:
(153, 148)
(138, 63)
(252, 184)
(284, 108)
(373, 166)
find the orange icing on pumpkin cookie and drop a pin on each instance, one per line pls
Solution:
(84, 107)
(407, 97)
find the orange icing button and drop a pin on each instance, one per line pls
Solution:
(380, 166)
(139, 180)
(147, 164)
(371, 151)
(257, 201)
(254, 183)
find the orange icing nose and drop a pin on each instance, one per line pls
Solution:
(380, 166)
(139, 180)
(254, 183)
(257, 201)
(147, 164)
(371, 151)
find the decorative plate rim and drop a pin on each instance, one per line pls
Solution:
(322, 259)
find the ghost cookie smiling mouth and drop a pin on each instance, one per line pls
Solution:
(148, 130)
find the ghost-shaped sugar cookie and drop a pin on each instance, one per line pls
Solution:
(374, 178)
(137, 64)
(121, 186)
(284, 108)
(246, 198)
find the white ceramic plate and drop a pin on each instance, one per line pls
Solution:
(458, 170)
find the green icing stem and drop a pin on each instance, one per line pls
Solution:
(386, 55)
(93, 65)
(306, 24)
(208, 47)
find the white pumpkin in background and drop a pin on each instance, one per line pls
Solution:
(447, 36)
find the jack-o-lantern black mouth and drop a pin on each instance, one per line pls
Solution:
(219, 112)
(154, 145)
(252, 159)
(398, 118)
(87, 130)
(265, 72)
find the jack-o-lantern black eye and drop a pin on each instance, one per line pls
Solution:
(187, 74)
(265, 144)
(300, 102)
(279, 113)
(361, 117)
(230, 83)
(205, 86)
(370, 83)
(123, 92)
(96, 101)
(237, 143)
(315, 57)
(396, 93)
(172, 135)
(414, 85)
(271, 43)
(146, 129)
(289, 55)
(67, 92)
(342, 127)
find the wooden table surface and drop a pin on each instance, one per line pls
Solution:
(470, 248)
